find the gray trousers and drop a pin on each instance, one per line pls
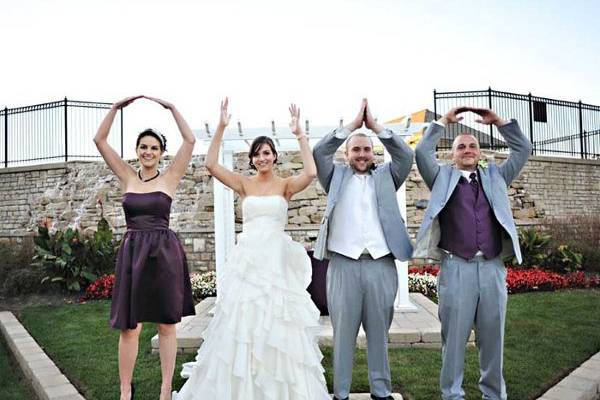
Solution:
(471, 293)
(361, 291)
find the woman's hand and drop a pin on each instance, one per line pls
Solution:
(295, 121)
(163, 103)
(125, 102)
(224, 117)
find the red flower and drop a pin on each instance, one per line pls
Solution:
(425, 269)
(101, 288)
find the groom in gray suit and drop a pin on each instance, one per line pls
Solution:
(362, 232)
(469, 225)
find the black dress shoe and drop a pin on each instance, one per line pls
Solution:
(337, 398)
(381, 398)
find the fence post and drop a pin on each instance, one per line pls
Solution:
(66, 132)
(531, 123)
(581, 148)
(492, 146)
(122, 108)
(434, 105)
(5, 137)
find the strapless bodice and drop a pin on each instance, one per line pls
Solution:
(146, 211)
(264, 213)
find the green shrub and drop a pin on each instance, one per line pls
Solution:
(17, 275)
(564, 259)
(591, 258)
(101, 250)
(581, 233)
(62, 256)
(534, 247)
(74, 261)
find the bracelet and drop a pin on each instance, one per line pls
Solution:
(300, 136)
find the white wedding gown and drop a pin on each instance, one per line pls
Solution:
(261, 343)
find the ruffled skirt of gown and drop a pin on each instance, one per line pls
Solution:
(261, 343)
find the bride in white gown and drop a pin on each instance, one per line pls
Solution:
(261, 343)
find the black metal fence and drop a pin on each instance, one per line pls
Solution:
(62, 130)
(555, 127)
(57, 131)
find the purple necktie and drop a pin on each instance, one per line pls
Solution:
(474, 184)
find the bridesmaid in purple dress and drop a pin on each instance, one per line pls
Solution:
(152, 279)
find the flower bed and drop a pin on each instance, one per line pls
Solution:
(424, 283)
(424, 280)
(204, 284)
(421, 280)
(529, 280)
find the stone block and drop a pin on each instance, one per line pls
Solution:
(309, 210)
(299, 220)
(367, 396)
(592, 364)
(431, 335)
(199, 245)
(7, 316)
(70, 397)
(587, 373)
(56, 392)
(404, 335)
(563, 393)
(29, 357)
(42, 372)
(48, 381)
(580, 383)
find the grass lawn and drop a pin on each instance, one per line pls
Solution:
(547, 335)
(11, 385)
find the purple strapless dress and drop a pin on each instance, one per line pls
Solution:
(152, 280)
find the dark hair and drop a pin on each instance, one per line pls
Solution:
(155, 134)
(256, 145)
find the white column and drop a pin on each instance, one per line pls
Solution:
(224, 214)
(402, 302)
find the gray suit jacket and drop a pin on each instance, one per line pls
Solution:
(387, 177)
(442, 179)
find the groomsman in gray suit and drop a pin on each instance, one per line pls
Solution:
(362, 232)
(469, 225)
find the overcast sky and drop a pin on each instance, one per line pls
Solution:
(324, 55)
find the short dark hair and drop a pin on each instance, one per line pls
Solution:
(155, 134)
(255, 146)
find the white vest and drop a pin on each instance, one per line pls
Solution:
(354, 225)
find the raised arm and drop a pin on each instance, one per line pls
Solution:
(518, 144)
(425, 156)
(402, 155)
(182, 159)
(299, 182)
(120, 168)
(227, 177)
(324, 151)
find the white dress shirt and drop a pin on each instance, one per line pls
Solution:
(354, 227)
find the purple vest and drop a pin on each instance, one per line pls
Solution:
(468, 223)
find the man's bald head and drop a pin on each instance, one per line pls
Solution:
(465, 152)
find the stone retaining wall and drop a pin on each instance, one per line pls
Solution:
(67, 194)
